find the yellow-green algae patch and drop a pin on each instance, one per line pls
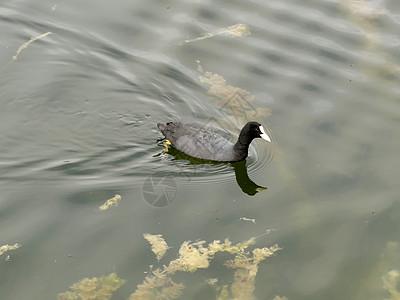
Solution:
(111, 202)
(390, 283)
(246, 265)
(237, 102)
(158, 284)
(363, 9)
(96, 288)
(381, 280)
(25, 45)
(8, 247)
(221, 290)
(158, 244)
(377, 62)
(197, 255)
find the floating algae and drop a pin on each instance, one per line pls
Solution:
(96, 288)
(219, 88)
(111, 202)
(384, 269)
(237, 30)
(158, 244)
(247, 268)
(363, 9)
(192, 256)
(222, 291)
(365, 13)
(246, 264)
(390, 282)
(236, 101)
(8, 247)
(157, 286)
(25, 45)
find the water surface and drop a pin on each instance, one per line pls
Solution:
(78, 125)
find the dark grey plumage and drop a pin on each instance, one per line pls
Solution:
(203, 144)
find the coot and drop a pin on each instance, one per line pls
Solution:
(203, 144)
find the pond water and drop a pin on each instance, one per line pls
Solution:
(83, 85)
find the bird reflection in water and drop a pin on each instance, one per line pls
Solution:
(243, 180)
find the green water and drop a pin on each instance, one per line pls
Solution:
(79, 109)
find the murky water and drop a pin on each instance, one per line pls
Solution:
(83, 85)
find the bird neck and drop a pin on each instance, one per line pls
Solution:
(242, 144)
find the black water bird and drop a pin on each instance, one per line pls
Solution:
(200, 143)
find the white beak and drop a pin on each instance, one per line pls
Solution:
(264, 135)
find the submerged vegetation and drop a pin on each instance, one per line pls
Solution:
(382, 281)
(159, 285)
(390, 259)
(363, 9)
(96, 288)
(236, 102)
(197, 255)
(390, 282)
